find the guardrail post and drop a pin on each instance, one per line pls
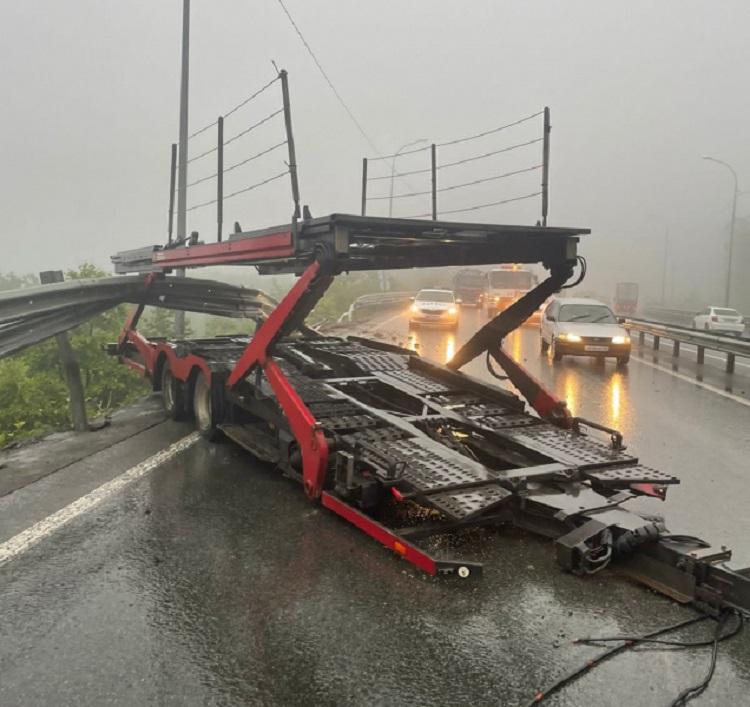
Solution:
(730, 363)
(676, 348)
(71, 369)
(656, 342)
(701, 354)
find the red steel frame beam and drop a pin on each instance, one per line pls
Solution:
(304, 426)
(409, 552)
(273, 245)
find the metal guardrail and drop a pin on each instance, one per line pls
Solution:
(371, 304)
(32, 314)
(731, 346)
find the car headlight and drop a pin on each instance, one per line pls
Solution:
(452, 311)
(414, 308)
(497, 299)
(572, 338)
(620, 339)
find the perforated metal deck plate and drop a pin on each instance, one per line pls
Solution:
(625, 475)
(462, 504)
(568, 448)
(419, 383)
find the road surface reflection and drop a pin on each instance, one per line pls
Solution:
(591, 388)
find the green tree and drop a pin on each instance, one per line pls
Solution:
(33, 393)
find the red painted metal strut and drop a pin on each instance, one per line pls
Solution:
(251, 249)
(305, 428)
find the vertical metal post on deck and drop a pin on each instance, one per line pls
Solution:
(220, 177)
(545, 167)
(364, 185)
(172, 177)
(290, 142)
(71, 369)
(433, 152)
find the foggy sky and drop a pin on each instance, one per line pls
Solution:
(638, 92)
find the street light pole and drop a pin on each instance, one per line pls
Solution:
(393, 169)
(728, 291)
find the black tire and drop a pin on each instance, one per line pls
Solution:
(623, 360)
(543, 345)
(555, 355)
(206, 408)
(172, 394)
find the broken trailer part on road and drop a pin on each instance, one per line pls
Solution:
(368, 427)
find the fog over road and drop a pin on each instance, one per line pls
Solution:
(211, 580)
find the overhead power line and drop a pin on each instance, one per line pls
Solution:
(328, 80)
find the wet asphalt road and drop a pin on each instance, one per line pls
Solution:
(212, 581)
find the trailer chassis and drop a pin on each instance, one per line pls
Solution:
(404, 448)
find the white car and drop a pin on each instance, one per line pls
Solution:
(573, 326)
(436, 308)
(721, 320)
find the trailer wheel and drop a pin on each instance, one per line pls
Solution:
(172, 394)
(207, 408)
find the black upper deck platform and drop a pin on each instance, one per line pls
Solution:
(367, 243)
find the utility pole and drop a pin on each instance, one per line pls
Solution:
(179, 318)
(728, 290)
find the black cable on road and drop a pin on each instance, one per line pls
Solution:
(606, 655)
(650, 639)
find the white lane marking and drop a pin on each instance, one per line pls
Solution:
(694, 381)
(32, 535)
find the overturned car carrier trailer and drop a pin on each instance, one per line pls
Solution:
(369, 428)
